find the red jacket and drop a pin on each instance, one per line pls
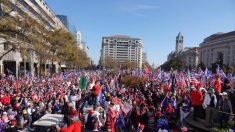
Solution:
(96, 89)
(75, 127)
(218, 86)
(196, 97)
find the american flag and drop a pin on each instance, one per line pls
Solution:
(193, 80)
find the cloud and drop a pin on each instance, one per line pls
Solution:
(139, 10)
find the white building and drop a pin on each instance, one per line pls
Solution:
(38, 10)
(122, 49)
(218, 48)
(189, 56)
(144, 57)
(81, 44)
(79, 37)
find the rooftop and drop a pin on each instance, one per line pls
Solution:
(120, 36)
(219, 35)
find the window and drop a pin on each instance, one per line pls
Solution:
(6, 46)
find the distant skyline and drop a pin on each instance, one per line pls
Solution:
(156, 22)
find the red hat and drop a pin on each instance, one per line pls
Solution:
(91, 112)
(13, 122)
(184, 129)
(141, 127)
(158, 113)
(137, 100)
(198, 85)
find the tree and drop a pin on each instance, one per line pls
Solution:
(129, 64)
(230, 69)
(109, 63)
(202, 66)
(176, 64)
(30, 35)
(146, 63)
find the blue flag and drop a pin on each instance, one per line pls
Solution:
(120, 121)
(102, 96)
(165, 102)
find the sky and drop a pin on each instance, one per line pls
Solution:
(156, 22)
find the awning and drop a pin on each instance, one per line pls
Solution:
(49, 120)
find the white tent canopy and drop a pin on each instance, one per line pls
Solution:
(49, 120)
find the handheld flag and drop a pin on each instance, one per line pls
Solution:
(146, 69)
(102, 96)
(83, 82)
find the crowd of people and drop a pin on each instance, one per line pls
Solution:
(98, 101)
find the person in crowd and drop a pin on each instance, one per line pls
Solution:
(92, 122)
(111, 118)
(140, 128)
(225, 110)
(197, 99)
(96, 91)
(209, 104)
(73, 126)
(217, 86)
(12, 126)
(151, 119)
(226, 85)
(231, 95)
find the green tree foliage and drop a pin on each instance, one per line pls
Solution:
(129, 65)
(49, 45)
(132, 81)
(148, 65)
(110, 63)
(202, 66)
(176, 64)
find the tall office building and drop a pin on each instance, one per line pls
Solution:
(80, 43)
(122, 49)
(144, 57)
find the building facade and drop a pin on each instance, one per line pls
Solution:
(179, 43)
(64, 20)
(219, 47)
(189, 56)
(122, 49)
(39, 11)
(144, 57)
(79, 37)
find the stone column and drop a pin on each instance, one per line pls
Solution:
(17, 68)
(231, 56)
(31, 62)
(1, 67)
(56, 67)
